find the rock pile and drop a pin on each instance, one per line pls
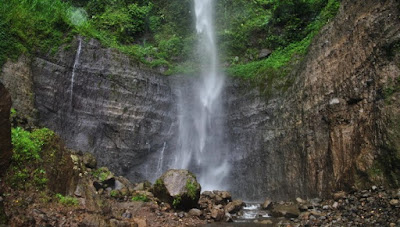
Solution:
(219, 206)
(373, 207)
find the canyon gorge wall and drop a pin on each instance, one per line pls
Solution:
(336, 126)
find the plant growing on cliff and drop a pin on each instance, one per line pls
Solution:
(67, 200)
(140, 197)
(25, 169)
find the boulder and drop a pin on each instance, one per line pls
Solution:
(89, 160)
(267, 204)
(178, 187)
(195, 212)
(285, 210)
(5, 129)
(339, 195)
(234, 206)
(217, 214)
(264, 53)
(142, 186)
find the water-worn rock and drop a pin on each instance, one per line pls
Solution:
(179, 188)
(267, 204)
(234, 206)
(5, 129)
(217, 214)
(394, 202)
(264, 53)
(285, 210)
(89, 160)
(195, 212)
(339, 195)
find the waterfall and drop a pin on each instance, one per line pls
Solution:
(161, 160)
(201, 144)
(76, 62)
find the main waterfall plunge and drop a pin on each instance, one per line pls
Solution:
(201, 144)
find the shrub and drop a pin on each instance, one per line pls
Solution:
(140, 197)
(191, 189)
(67, 200)
(26, 168)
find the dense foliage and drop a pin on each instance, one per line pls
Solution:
(26, 167)
(158, 32)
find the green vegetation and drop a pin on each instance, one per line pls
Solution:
(140, 197)
(114, 193)
(191, 189)
(102, 173)
(27, 26)
(13, 113)
(161, 33)
(392, 87)
(67, 200)
(26, 166)
(288, 48)
(177, 201)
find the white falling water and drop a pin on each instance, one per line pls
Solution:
(201, 147)
(76, 62)
(161, 160)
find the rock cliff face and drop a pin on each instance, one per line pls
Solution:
(338, 125)
(118, 112)
(17, 77)
(335, 127)
(5, 129)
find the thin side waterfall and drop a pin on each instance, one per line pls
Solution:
(201, 146)
(76, 62)
(161, 160)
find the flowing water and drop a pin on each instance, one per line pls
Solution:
(76, 63)
(202, 147)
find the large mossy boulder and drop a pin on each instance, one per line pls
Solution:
(179, 188)
(5, 129)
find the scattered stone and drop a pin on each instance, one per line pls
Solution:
(287, 211)
(303, 207)
(339, 195)
(264, 53)
(316, 201)
(335, 205)
(127, 215)
(141, 222)
(78, 191)
(394, 202)
(228, 217)
(217, 214)
(118, 223)
(195, 212)
(374, 188)
(266, 222)
(89, 160)
(267, 204)
(142, 186)
(300, 200)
